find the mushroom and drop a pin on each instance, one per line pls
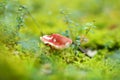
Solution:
(56, 41)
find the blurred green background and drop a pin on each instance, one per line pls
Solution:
(24, 57)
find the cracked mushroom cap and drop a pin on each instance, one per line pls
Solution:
(56, 40)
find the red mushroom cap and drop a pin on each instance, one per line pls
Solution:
(56, 40)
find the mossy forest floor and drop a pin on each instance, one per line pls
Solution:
(23, 56)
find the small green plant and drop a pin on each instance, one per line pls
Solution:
(77, 32)
(20, 16)
(9, 23)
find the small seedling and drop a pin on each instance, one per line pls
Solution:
(74, 27)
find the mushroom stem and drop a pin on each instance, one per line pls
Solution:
(84, 51)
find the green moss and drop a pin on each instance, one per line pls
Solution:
(24, 57)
